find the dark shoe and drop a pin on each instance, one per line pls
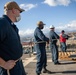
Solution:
(38, 74)
(46, 71)
(57, 63)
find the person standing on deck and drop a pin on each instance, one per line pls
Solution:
(10, 46)
(40, 43)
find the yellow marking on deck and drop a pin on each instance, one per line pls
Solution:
(65, 55)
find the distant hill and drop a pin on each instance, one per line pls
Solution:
(30, 37)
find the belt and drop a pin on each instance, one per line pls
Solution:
(40, 42)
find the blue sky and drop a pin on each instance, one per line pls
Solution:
(60, 13)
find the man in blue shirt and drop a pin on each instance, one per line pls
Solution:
(53, 44)
(40, 43)
(10, 46)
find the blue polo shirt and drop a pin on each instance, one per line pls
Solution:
(53, 37)
(10, 45)
(39, 36)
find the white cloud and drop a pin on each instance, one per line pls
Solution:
(26, 32)
(50, 2)
(68, 27)
(46, 29)
(57, 2)
(71, 26)
(27, 7)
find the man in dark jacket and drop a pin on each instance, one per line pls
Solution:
(40, 43)
(10, 46)
(53, 44)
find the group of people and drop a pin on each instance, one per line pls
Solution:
(10, 46)
(40, 43)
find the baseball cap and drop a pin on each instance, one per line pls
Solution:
(40, 23)
(12, 4)
(62, 31)
(52, 26)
